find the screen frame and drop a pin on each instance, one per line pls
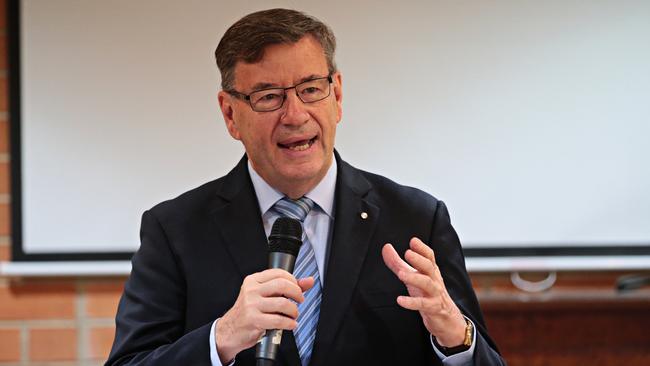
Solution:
(16, 210)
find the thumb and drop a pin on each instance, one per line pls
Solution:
(393, 260)
(306, 283)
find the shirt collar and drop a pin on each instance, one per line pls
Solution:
(322, 194)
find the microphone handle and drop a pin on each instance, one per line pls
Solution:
(267, 347)
(282, 260)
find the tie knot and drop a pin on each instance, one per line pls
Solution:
(295, 209)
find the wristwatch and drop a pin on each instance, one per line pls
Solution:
(467, 342)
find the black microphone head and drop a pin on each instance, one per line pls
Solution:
(286, 236)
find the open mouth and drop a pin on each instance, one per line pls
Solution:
(299, 145)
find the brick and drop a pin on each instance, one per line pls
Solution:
(5, 222)
(102, 298)
(53, 344)
(101, 340)
(4, 177)
(5, 252)
(4, 99)
(4, 136)
(3, 16)
(9, 345)
(3, 51)
(37, 301)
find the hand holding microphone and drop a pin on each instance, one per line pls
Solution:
(265, 298)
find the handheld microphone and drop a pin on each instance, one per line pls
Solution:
(284, 244)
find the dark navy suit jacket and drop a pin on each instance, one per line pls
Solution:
(196, 250)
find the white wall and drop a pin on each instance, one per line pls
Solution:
(529, 118)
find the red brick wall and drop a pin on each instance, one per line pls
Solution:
(57, 320)
(47, 321)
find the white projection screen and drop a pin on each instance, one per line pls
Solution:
(530, 119)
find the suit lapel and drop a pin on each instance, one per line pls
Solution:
(240, 224)
(351, 236)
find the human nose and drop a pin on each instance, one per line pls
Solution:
(294, 112)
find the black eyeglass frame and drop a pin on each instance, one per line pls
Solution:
(247, 97)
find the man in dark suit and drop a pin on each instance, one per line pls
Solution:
(199, 293)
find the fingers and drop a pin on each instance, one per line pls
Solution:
(276, 321)
(281, 287)
(306, 283)
(419, 272)
(419, 257)
(259, 322)
(393, 260)
(419, 247)
(424, 283)
(422, 257)
(426, 289)
(419, 262)
(279, 305)
(270, 274)
(278, 282)
(266, 300)
(426, 305)
(411, 303)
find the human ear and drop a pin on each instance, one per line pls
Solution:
(337, 85)
(227, 110)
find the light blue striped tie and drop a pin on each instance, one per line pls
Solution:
(306, 266)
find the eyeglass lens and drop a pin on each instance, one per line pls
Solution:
(309, 91)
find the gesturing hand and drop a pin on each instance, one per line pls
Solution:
(264, 302)
(427, 292)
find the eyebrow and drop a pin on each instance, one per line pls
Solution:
(266, 85)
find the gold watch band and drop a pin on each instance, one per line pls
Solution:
(469, 333)
(467, 342)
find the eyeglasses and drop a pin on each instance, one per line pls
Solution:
(271, 99)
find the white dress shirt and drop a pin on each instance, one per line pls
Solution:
(318, 228)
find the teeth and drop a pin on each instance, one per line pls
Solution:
(302, 147)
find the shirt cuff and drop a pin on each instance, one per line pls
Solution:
(214, 356)
(461, 358)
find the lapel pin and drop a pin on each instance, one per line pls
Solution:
(364, 215)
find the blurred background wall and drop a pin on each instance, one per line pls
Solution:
(582, 320)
